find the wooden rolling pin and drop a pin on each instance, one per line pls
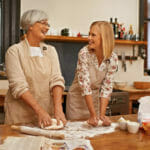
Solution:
(38, 131)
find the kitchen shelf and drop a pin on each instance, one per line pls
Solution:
(85, 40)
(131, 42)
(66, 39)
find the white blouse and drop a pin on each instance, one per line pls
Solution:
(36, 51)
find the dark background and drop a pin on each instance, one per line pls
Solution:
(68, 55)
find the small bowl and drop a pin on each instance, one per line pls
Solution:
(133, 127)
(122, 123)
(120, 84)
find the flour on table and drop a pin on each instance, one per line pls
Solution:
(42, 143)
(78, 130)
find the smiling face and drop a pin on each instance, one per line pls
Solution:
(94, 38)
(39, 29)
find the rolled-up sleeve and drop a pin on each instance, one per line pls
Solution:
(15, 74)
(107, 84)
(56, 78)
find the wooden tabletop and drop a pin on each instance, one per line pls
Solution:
(131, 89)
(118, 140)
(3, 92)
(2, 96)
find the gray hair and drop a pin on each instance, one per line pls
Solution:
(32, 16)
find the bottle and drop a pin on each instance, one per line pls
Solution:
(111, 22)
(123, 32)
(131, 30)
(119, 31)
(116, 28)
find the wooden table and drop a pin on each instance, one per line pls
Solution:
(134, 94)
(2, 96)
(118, 140)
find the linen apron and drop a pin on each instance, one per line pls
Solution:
(76, 107)
(37, 71)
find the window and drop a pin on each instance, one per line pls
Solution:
(148, 26)
(9, 25)
(144, 27)
(0, 31)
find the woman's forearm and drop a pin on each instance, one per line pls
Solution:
(90, 105)
(103, 105)
(29, 99)
(57, 97)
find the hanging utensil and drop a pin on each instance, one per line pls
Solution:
(123, 61)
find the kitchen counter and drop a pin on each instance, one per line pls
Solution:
(2, 96)
(134, 94)
(121, 140)
(4, 91)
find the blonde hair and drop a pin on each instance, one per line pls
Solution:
(107, 37)
(32, 16)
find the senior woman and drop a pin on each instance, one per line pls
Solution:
(92, 86)
(34, 75)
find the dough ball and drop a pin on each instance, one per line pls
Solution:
(54, 125)
(86, 125)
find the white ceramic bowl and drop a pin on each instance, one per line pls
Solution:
(120, 84)
(133, 127)
(122, 123)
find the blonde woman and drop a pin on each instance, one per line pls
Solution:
(35, 80)
(92, 86)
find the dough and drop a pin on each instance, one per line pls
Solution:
(86, 125)
(54, 125)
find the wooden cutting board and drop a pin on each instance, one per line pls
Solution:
(141, 85)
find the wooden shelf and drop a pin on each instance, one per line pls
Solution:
(66, 39)
(130, 42)
(85, 40)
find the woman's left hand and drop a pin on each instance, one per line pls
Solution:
(106, 120)
(59, 115)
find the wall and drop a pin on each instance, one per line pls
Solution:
(3, 84)
(78, 14)
(135, 69)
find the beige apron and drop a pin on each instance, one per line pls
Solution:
(76, 107)
(37, 71)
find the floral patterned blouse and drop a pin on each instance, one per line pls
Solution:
(84, 77)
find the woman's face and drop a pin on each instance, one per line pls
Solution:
(39, 29)
(94, 38)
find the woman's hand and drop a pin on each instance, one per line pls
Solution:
(57, 99)
(93, 120)
(44, 118)
(60, 116)
(106, 120)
